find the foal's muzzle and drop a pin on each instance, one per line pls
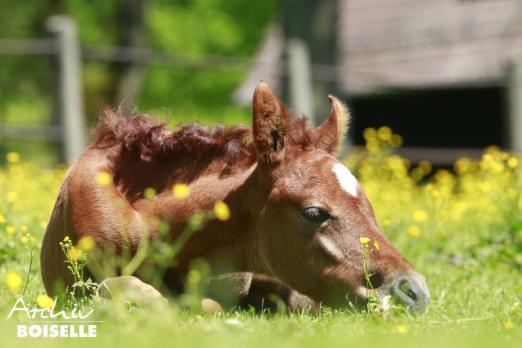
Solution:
(409, 289)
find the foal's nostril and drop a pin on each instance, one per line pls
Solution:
(404, 287)
(411, 289)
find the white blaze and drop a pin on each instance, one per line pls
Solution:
(346, 179)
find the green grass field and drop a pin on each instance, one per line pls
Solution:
(461, 229)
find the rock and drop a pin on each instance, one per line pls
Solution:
(210, 306)
(129, 289)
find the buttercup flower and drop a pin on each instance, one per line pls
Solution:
(13, 281)
(222, 211)
(44, 301)
(180, 191)
(364, 240)
(508, 325)
(420, 216)
(103, 179)
(13, 157)
(376, 245)
(396, 140)
(369, 133)
(414, 231)
(401, 329)
(12, 196)
(149, 193)
(86, 243)
(26, 238)
(74, 254)
(384, 133)
(512, 162)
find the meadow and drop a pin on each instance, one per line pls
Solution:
(461, 228)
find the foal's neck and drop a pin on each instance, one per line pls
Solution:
(231, 241)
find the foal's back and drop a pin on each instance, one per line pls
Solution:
(103, 193)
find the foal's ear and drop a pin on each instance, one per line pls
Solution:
(329, 136)
(270, 121)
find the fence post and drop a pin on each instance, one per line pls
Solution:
(515, 106)
(300, 77)
(70, 95)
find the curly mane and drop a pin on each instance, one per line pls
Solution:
(149, 138)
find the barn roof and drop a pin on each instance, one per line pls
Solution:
(413, 44)
(424, 43)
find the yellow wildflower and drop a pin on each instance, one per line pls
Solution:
(425, 166)
(180, 191)
(44, 301)
(364, 240)
(508, 325)
(66, 239)
(420, 216)
(372, 145)
(396, 140)
(221, 211)
(26, 238)
(149, 193)
(402, 329)
(74, 254)
(512, 162)
(2, 219)
(13, 281)
(103, 179)
(13, 157)
(12, 196)
(10, 229)
(369, 133)
(376, 245)
(384, 133)
(86, 243)
(414, 231)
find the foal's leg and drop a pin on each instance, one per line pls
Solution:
(263, 289)
(258, 291)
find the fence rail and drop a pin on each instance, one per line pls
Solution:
(63, 46)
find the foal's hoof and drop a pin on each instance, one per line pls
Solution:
(131, 290)
(210, 306)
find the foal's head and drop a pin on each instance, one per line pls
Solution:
(310, 228)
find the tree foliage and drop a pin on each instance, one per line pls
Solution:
(194, 29)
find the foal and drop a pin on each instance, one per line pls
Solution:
(297, 213)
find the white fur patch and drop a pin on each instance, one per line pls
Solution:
(346, 179)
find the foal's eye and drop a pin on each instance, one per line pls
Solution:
(315, 214)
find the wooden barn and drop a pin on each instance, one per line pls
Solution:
(445, 74)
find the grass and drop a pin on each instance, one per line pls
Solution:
(461, 229)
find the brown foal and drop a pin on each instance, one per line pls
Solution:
(297, 213)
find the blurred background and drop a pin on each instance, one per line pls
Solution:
(446, 74)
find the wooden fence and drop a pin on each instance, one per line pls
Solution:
(69, 127)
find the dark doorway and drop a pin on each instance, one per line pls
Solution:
(440, 118)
